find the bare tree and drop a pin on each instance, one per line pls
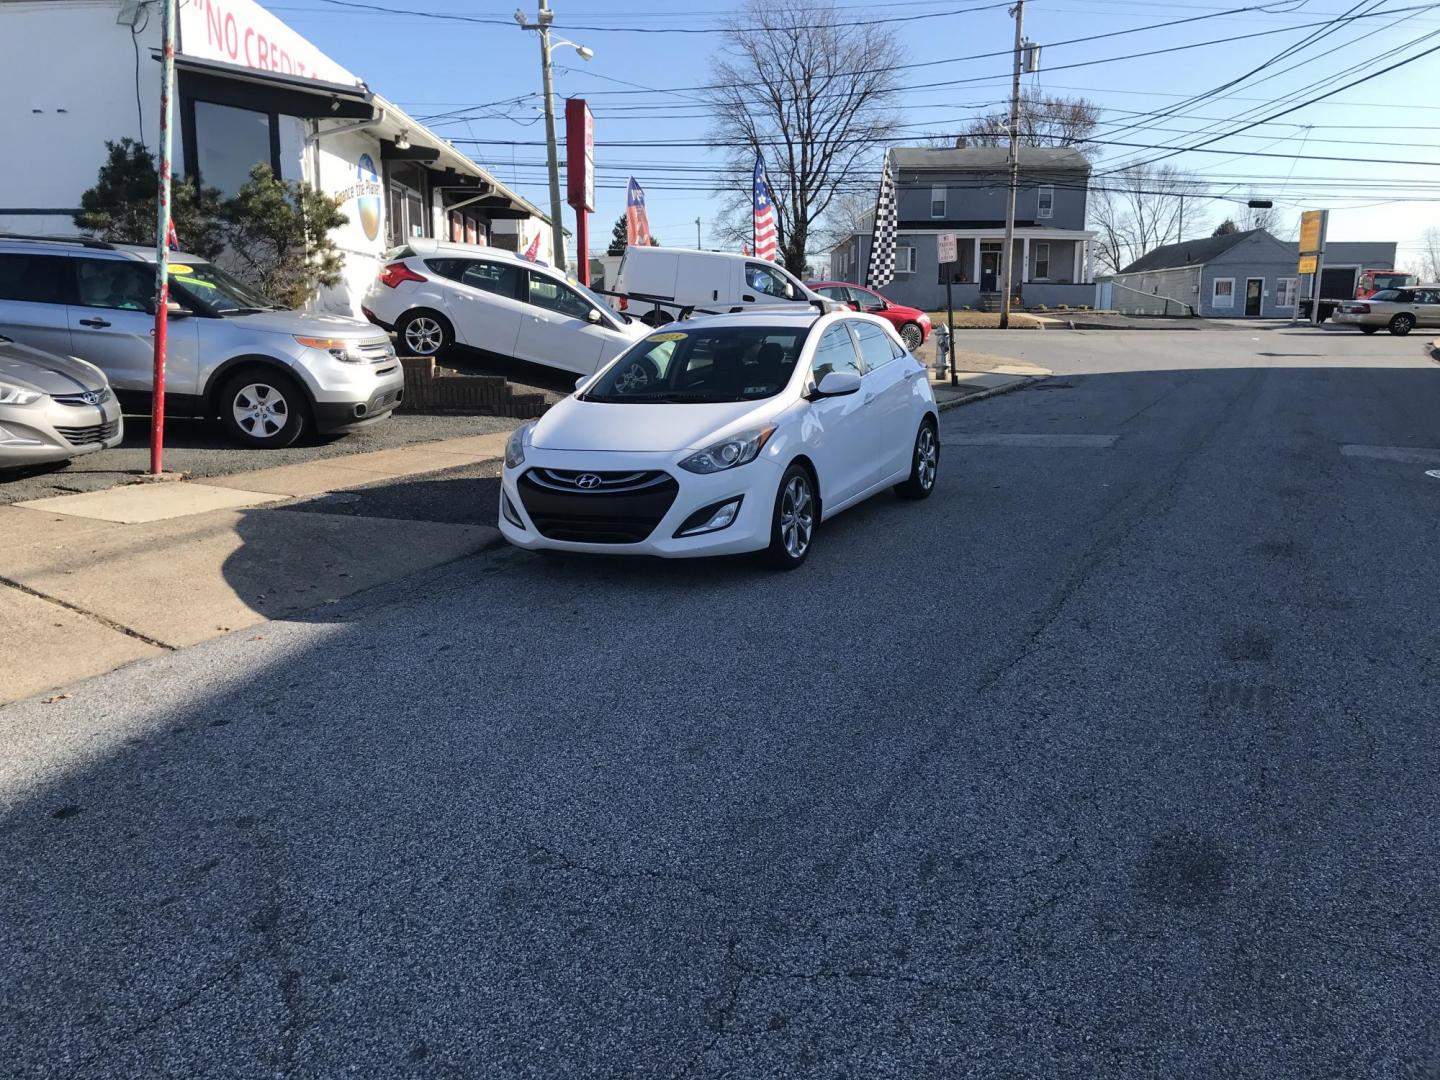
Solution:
(813, 93)
(1430, 254)
(1044, 121)
(1141, 208)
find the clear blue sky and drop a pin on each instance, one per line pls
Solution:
(430, 66)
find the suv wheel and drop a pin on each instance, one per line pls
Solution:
(424, 333)
(263, 409)
(1402, 324)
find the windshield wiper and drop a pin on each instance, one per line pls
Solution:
(244, 310)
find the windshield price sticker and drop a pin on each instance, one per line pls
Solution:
(673, 336)
(176, 268)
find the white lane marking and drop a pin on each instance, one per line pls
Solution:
(1407, 455)
(1092, 441)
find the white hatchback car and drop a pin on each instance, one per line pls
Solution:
(435, 295)
(725, 434)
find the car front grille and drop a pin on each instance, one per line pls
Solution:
(615, 508)
(377, 352)
(98, 397)
(84, 436)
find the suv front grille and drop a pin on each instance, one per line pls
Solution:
(84, 436)
(624, 512)
(78, 400)
(377, 352)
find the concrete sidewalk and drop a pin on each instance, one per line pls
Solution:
(976, 385)
(92, 581)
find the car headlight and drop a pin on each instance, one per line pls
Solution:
(339, 348)
(17, 395)
(515, 447)
(734, 451)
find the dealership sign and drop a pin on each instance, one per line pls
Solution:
(579, 155)
(242, 32)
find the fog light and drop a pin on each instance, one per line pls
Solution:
(511, 514)
(9, 437)
(711, 518)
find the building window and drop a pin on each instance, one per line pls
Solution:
(229, 142)
(904, 259)
(1285, 292)
(408, 218)
(1042, 261)
(1045, 205)
(1223, 295)
(937, 201)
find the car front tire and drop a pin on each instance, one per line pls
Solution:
(924, 463)
(424, 333)
(263, 410)
(1402, 324)
(792, 526)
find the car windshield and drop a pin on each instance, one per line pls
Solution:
(216, 291)
(1391, 281)
(703, 365)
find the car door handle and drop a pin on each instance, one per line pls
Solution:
(869, 398)
(94, 322)
(913, 374)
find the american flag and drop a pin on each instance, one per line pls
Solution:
(766, 244)
(881, 268)
(637, 223)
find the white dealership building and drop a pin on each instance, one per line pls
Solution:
(248, 89)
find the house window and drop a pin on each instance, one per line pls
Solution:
(1224, 292)
(1042, 261)
(937, 201)
(1045, 205)
(904, 259)
(1285, 292)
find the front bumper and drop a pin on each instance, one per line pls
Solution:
(48, 430)
(755, 483)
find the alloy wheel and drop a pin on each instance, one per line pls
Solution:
(260, 410)
(927, 457)
(423, 335)
(797, 516)
(912, 337)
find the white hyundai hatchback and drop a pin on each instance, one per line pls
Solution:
(722, 435)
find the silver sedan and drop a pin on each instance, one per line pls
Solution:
(53, 408)
(1396, 310)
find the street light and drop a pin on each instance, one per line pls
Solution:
(543, 18)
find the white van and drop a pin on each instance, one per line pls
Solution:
(659, 284)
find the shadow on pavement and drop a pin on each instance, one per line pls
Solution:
(1100, 762)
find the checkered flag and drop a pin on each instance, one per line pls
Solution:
(881, 269)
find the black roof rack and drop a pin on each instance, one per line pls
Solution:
(84, 241)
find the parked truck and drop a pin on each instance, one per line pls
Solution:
(1341, 283)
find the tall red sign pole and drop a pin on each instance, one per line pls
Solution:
(580, 177)
(162, 236)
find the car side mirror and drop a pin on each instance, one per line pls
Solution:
(836, 384)
(176, 310)
(592, 316)
(583, 381)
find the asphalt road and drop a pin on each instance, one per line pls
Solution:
(1117, 757)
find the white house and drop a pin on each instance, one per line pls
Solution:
(249, 89)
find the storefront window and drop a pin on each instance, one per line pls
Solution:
(407, 204)
(229, 142)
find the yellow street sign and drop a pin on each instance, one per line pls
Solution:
(1312, 224)
(1308, 263)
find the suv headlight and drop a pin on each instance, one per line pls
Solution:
(734, 451)
(339, 348)
(515, 447)
(17, 395)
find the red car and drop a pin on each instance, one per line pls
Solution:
(912, 324)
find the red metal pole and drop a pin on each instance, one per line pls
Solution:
(162, 237)
(582, 246)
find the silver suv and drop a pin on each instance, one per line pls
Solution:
(269, 374)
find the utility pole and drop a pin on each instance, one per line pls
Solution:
(697, 235)
(162, 238)
(1009, 254)
(1180, 229)
(543, 18)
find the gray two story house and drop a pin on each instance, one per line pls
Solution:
(963, 190)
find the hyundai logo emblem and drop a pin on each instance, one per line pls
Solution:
(90, 397)
(587, 481)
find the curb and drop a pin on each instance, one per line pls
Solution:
(1435, 350)
(1019, 384)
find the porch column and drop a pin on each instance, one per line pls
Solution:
(1024, 260)
(1089, 262)
(975, 277)
(1075, 274)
